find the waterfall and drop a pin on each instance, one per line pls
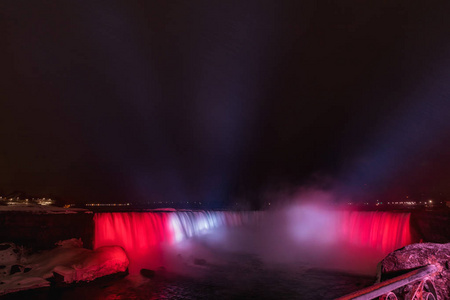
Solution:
(143, 235)
(385, 231)
(326, 237)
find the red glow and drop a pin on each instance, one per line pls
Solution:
(383, 231)
(140, 234)
(144, 235)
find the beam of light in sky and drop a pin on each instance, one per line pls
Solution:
(184, 138)
(407, 132)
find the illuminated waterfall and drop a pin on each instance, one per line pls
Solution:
(384, 231)
(144, 234)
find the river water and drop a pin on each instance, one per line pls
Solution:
(239, 277)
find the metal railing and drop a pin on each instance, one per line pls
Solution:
(423, 287)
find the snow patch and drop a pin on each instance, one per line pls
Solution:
(69, 261)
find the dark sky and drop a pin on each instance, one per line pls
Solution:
(205, 100)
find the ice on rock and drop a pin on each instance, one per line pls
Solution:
(69, 261)
(9, 254)
(90, 265)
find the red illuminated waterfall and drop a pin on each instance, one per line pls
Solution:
(383, 231)
(144, 234)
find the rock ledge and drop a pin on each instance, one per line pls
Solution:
(418, 255)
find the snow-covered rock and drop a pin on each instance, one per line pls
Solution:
(94, 264)
(9, 254)
(69, 261)
(418, 255)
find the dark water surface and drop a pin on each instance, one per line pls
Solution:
(244, 277)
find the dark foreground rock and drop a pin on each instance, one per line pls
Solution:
(16, 269)
(418, 255)
(147, 273)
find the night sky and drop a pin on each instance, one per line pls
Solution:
(136, 101)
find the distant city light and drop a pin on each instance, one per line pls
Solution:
(26, 202)
(107, 204)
